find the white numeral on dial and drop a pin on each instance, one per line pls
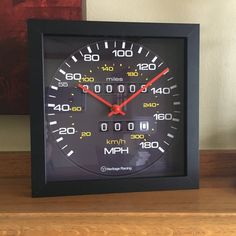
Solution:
(147, 145)
(91, 57)
(63, 107)
(86, 86)
(145, 90)
(97, 88)
(144, 125)
(146, 66)
(104, 127)
(163, 116)
(165, 90)
(123, 53)
(117, 126)
(121, 88)
(109, 88)
(71, 76)
(69, 130)
(131, 126)
(132, 88)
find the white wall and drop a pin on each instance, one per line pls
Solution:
(218, 63)
(14, 133)
(218, 54)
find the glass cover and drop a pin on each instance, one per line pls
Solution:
(114, 107)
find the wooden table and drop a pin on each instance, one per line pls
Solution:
(211, 210)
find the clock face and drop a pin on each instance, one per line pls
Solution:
(115, 107)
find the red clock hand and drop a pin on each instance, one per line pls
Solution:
(117, 108)
(98, 97)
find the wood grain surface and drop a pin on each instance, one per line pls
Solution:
(218, 162)
(216, 195)
(15, 164)
(209, 211)
(165, 224)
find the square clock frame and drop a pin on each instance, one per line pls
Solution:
(114, 106)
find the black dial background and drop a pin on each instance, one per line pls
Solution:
(57, 49)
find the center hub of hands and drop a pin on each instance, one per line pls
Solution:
(116, 109)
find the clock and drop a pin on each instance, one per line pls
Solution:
(114, 106)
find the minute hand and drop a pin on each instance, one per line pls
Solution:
(141, 89)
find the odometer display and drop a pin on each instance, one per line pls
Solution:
(114, 107)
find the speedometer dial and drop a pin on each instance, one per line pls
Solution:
(114, 107)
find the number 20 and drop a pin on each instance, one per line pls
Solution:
(69, 130)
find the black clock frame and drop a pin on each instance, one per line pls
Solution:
(36, 30)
